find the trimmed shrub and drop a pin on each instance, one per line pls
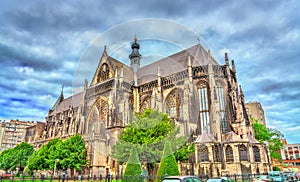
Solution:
(168, 165)
(133, 167)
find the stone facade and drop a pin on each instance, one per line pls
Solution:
(255, 110)
(202, 96)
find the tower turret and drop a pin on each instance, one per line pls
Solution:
(135, 58)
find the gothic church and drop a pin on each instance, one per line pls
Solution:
(202, 96)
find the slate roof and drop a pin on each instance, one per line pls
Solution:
(175, 63)
(252, 139)
(205, 138)
(233, 137)
(74, 101)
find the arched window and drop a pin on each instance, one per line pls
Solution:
(174, 103)
(216, 150)
(243, 153)
(204, 107)
(229, 154)
(203, 153)
(256, 154)
(93, 120)
(103, 108)
(221, 100)
(104, 73)
(145, 104)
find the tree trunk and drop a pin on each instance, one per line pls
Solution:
(150, 169)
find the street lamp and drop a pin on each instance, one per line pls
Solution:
(56, 160)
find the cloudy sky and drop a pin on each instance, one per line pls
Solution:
(43, 44)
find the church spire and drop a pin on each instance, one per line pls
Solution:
(135, 58)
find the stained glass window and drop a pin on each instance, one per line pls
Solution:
(229, 154)
(221, 100)
(174, 103)
(203, 108)
(203, 153)
(243, 152)
(256, 154)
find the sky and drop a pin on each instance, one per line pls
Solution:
(45, 45)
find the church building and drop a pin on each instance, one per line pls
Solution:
(200, 94)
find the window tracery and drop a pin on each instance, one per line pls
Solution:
(229, 154)
(104, 73)
(221, 100)
(216, 151)
(243, 153)
(93, 120)
(174, 103)
(256, 153)
(203, 153)
(203, 107)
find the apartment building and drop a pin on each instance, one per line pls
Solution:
(290, 156)
(13, 133)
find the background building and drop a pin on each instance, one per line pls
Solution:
(13, 133)
(202, 96)
(255, 110)
(34, 131)
(290, 156)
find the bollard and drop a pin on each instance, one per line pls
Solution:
(63, 177)
(108, 178)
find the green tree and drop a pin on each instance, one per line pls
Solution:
(73, 154)
(168, 165)
(21, 152)
(133, 167)
(70, 154)
(182, 154)
(44, 158)
(148, 132)
(6, 157)
(16, 157)
(261, 133)
(275, 143)
(272, 136)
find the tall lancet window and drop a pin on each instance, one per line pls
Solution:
(221, 100)
(174, 104)
(104, 73)
(204, 107)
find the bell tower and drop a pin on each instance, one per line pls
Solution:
(135, 59)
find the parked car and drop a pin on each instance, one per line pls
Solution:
(276, 176)
(290, 176)
(261, 178)
(181, 179)
(220, 179)
(227, 179)
(7, 175)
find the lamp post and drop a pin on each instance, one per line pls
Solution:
(56, 160)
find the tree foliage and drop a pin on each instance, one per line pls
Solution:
(44, 158)
(16, 157)
(73, 153)
(272, 136)
(68, 154)
(261, 133)
(168, 165)
(148, 132)
(133, 167)
(5, 157)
